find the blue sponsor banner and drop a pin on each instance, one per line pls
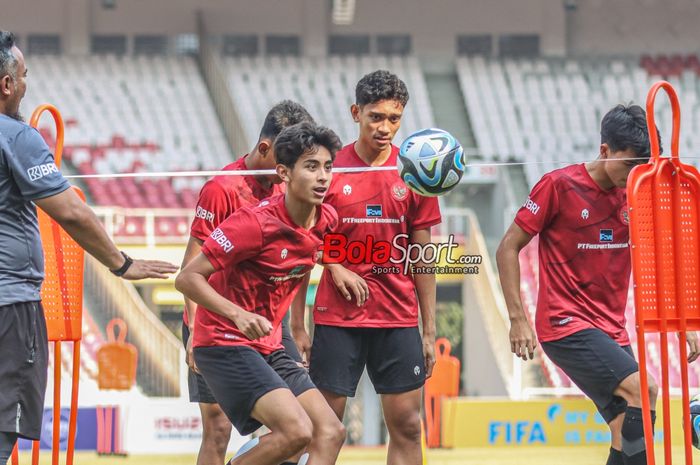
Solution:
(86, 430)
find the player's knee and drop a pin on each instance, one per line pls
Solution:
(631, 390)
(407, 428)
(333, 432)
(297, 435)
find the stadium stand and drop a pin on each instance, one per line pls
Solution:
(133, 114)
(548, 111)
(325, 86)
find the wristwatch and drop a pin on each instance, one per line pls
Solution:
(127, 263)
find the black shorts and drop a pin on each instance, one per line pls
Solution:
(393, 356)
(597, 365)
(24, 355)
(238, 376)
(200, 392)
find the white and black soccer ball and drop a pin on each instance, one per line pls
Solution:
(431, 162)
(695, 420)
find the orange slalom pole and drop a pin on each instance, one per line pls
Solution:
(35, 452)
(56, 402)
(34, 122)
(73, 421)
(15, 455)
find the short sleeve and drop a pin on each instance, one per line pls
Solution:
(33, 168)
(236, 239)
(213, 207)
(425, 212)
(539, 208)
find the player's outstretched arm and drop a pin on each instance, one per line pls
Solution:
(193, 283)
(80, 222)
(297, 325)
(522, 338)
(426, 292)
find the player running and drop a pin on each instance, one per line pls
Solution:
(219, 198)
(262, 254)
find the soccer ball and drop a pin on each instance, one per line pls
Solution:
(431, 162)
(695, 420)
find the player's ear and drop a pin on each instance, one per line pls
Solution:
(283, 172)
(604, 151)
(355, 112)
(264, 146)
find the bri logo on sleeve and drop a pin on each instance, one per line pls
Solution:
(531, 206)
(204, 214)
(221, 239)
(39, 171)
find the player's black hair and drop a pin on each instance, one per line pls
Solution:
(380, 85)
(625, 128)
(284, 114)
(301, 138)
(8, 61)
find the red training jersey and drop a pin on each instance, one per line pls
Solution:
(376, 204)
(222, 195)
(584, 256)
(261, 256)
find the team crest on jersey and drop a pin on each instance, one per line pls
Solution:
(284, 253)
(347, 189)
(399, 191)
(584, 213)
(625, 215)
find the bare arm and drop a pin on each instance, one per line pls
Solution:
(297, 326)
(193, 283)
(80, 222)
(194, 247)
(426, 292)
(522, 338)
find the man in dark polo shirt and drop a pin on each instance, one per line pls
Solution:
(29, 177)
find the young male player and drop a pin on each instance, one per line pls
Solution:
(379, 328)
(580, 214)
(218, 199)
(263, 253)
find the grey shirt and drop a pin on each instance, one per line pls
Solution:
(27, 173)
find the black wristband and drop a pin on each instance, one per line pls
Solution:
(127, 263)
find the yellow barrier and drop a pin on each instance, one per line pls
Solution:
(552, 422)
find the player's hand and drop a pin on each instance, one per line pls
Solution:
(252, 325)
(303, 343)
(693, 346)
(523, 341)
(189, 355)
(349, 284)
(429, 355)
(141, 269)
